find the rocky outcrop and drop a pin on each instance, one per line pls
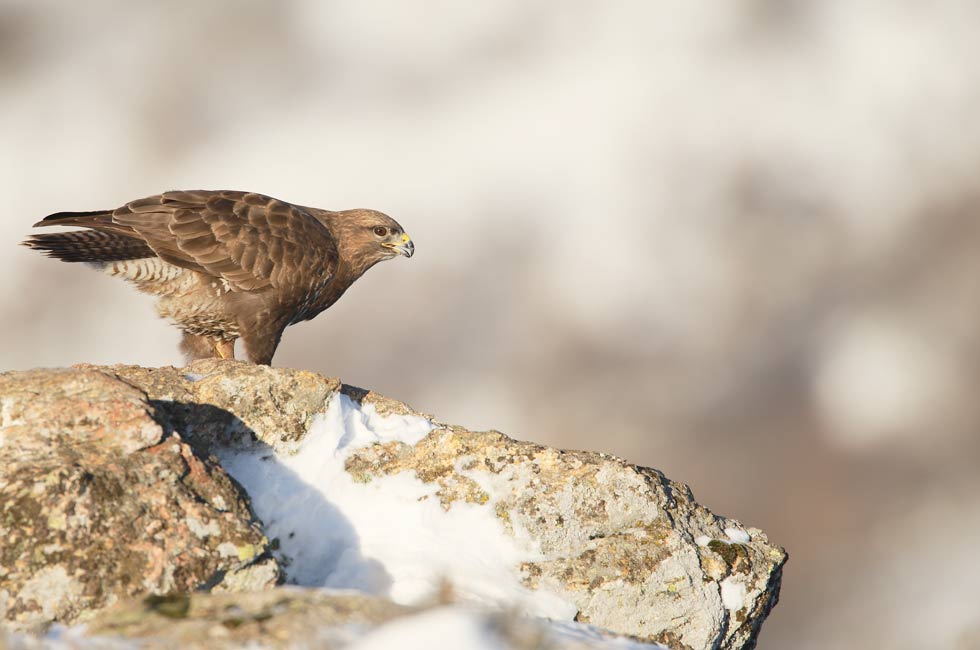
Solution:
(289, 617)
(631, 549)
(112, 486)
(98, 502)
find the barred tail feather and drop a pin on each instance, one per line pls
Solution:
(89, 246)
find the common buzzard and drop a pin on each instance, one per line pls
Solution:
(227, 265)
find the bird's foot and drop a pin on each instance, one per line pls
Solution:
(225, 349)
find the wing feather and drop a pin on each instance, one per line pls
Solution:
(250, 240)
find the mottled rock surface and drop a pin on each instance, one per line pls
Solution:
(99, 502)
(282, 618)
(220, 402)
(631, 549)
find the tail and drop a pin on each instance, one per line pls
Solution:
(89, 246)
(107, 243)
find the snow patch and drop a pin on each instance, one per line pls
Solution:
(390, 536)
(737, 535)
(457, 627)
(733, 594)
(439, 628)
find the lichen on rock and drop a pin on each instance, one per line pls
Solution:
(99, 503)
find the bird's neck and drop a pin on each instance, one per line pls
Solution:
(344, 276)
(351, 265)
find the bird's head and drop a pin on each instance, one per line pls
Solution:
(366, 237)
(378, 235)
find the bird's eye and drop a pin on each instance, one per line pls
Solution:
(380, 231)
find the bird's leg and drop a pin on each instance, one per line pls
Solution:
(196, 347)
(261, 343)
(224, 348)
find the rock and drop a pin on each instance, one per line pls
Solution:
(281, 618)
(213, 402)
(42, 410)
(621, 542)
(98, 502)
(343, 478)
(292, 617)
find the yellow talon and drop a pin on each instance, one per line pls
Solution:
(225, 349)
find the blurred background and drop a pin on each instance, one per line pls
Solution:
(739, 242)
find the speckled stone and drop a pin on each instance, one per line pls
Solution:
(98, 501)
(223, 401)
(632, 549)
(287, 617)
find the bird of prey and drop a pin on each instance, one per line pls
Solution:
(227, 265)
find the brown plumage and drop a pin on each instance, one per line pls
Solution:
(228, 265)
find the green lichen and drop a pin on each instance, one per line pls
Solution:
(169, 605)
(735, 556)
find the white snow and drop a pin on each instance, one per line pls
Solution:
(390, 536)
(458, 627)
(734, 535)
(733, 594)
(438, 628)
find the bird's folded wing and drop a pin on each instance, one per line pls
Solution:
(250, 240)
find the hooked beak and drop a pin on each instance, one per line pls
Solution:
(404, 247)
